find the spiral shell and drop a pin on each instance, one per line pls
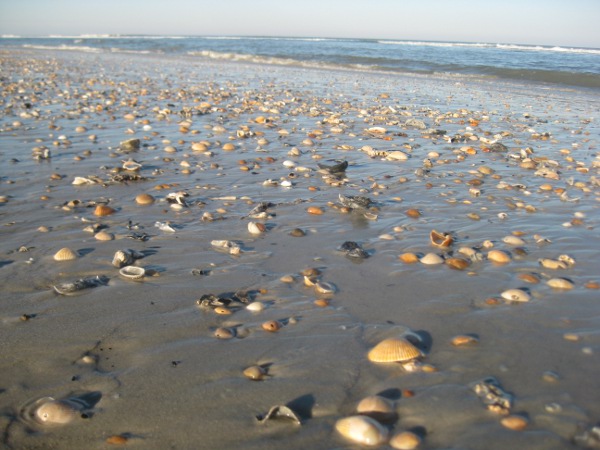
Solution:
(394, 350)
(65, 254)
(362, 430)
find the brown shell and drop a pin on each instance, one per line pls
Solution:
(498, 256)
(271, 325)
(394, 350)
(144, 199)
(458, 263)
(104, 210)
(414, 213)
(441, 240)
(315, 210)
(65, 254)
(408, 258)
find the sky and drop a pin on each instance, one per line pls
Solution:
(545, 22)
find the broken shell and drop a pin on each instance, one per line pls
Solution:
(432, 259)
(323, 287)
(104, 236)
(552, 263)
(65, 254)
(271, 325)
(405, 440)
(256, 228)
(441, 240)
(514, 422)
(394, 350)
(144, 199)
(256, 373)
(458, 263)
(560, 283)
(103, 210)
(362, 430)
(133, 272)
(568, 260)
(498, 256)
(377, 407)
(408, 258)
(516, 295)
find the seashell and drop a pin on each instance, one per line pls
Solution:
(103, 210)
(309, 280)
(133, 272)
(104, 236)
(464, 339)
(315, 210)
(431, 259)
(560, 283)
(408, 258)
(529, 278)
(498, 256)
(144, 199)
(514, 422)
(592, 285)
(256, 228)
(552, 263)
(396, 155)
(323, 287)
(378, 408)
(362, 430)
(256, 373)
(116, 439)
(131, 165)
(414, 213)
(568, 260)
(228, 147)
(79, 181)
(311, 272)
(222, 310)
(125, 257)
(457, 263)
(441, 240)
(224, 333)
(255, 306)
(297, 232)
(271, 325)
(65, 254)
(513, 240)
(516, 295)
(394, 350)
(405, 440)
(50, 411)
(321, 302)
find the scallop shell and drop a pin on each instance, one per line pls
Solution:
(516, 295)
(498, 256)
(362, 430)
(394, 350)
(133, 272)
(560, 283)
(440, 240)
(104, 236)
(431, 259)
(513, 240)
(65, 254)
(405, 440)
(103, 210)
(256, 228)
(144, 199)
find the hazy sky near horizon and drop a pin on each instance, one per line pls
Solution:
(547, 22)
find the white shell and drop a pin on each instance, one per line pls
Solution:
(256, 228)
(560, 283)
(516, 295)
(255, 306)
(432, 259)
(289, 164)
(552, 263)
(362, 430)
(513, 240)
(56, 412)
(133, 272)
(323, 287)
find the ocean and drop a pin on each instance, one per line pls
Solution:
(552, 65)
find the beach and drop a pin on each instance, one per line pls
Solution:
(158, 362)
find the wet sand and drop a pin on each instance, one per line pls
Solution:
(143, 356)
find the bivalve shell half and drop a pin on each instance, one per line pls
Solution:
(362, 430)
(440, 240)
(560, 283)
(498, 256)
(271, 325)
(256, 228)
(144, 199)
(103, 210)
(408, 258)
(133, 272)
(405, 440)
(457, 263)
(516, 295)
(431, 259)
(322, 287)
(57, 412)
(377, 407)
(65, 254)
(104, 236)
(513, 240)
(314, 210)
(552, 264)
(394, 350)
(256, 373)
(514, 422)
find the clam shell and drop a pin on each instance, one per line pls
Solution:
(498, 256)
(405, 440)
(133, 272)
(552, 263)
(516, 295)
(377, 407)
(514, 422)
(104, 236)
(103, 210)
(256, 373)
(271, 325)
(560, 283)
(414, 213)
(362, 430)
(322, 287)
(256, 228)
(431, 259)
(440, 240)
(49, 411)
(122, 258)
(255, 306)
(144, 199)
(458, 263)
(408, 258)
(513, 240)
(315, 210)
(65, 254)
(394, 350)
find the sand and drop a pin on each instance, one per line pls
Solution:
(142, 355)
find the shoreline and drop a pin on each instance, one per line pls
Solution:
(146, 346)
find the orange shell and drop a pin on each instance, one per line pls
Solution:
(408, 258)
(144, 199)
(414, 213)
(103, 210)
(441, 240)
(498, 256)
(394, 350)
(314, 210)
(271, 325)
(458, 263)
